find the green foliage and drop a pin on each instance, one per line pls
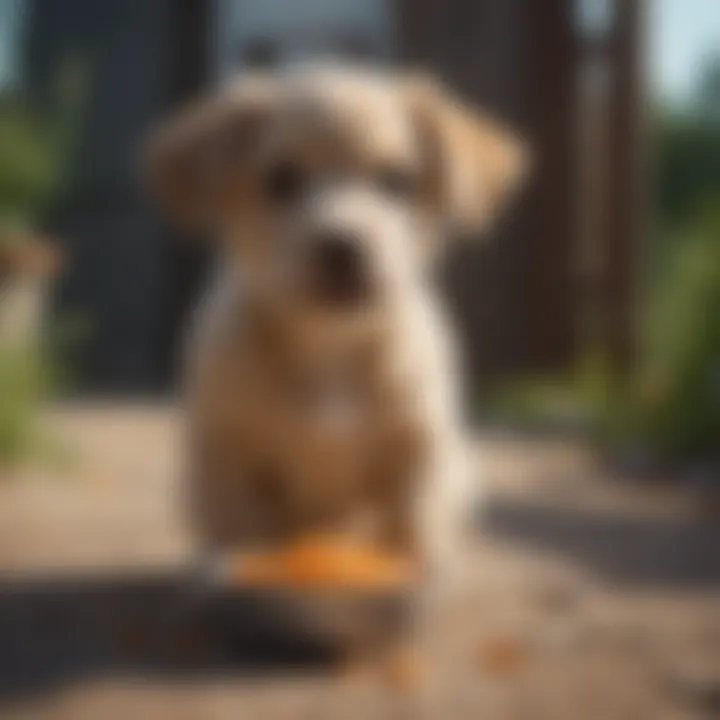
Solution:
(688, 164)
(35, 147)
(24, 380)
(670, 402)
(678, 391)
(585, 400)
(687, 141)
(27, 170)
(36, 141)
(30, 374)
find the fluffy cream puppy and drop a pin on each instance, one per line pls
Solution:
(322, 379)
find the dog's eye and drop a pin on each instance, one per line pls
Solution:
(284, 182)
(396, 180)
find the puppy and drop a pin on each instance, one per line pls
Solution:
(321, 373)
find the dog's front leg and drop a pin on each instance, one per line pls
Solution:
(424, 518)
(424, 496)
(402, 459)
(443, 505)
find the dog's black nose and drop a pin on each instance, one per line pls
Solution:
(337, 254)
(338, 268)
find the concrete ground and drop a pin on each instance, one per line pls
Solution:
(586, 596)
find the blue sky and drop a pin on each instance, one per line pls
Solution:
(681, 34)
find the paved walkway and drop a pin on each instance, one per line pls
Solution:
(587, 597)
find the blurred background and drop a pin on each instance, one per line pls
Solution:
(591, 321)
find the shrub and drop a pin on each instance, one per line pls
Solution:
(35, 147)
(669, 403)
(23, 383)
(678, 384)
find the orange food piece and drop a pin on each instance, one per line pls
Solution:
(323, 563)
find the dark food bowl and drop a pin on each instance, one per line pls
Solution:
(333, 619)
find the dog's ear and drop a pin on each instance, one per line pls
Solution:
(472, 164)
(197, 163)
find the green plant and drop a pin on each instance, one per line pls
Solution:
(678, 383)
(585, 399)
(687, 165)
(30, 373)
(23, 383)
(35, 147)
(670, 401)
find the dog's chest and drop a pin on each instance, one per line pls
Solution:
(331, 403)
(314, 410)
(319, 435)
(330, 416)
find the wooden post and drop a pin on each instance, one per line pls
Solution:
(550, 266)
(516, 59)
(626, 188)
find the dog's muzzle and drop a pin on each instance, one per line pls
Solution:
(338, 268)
